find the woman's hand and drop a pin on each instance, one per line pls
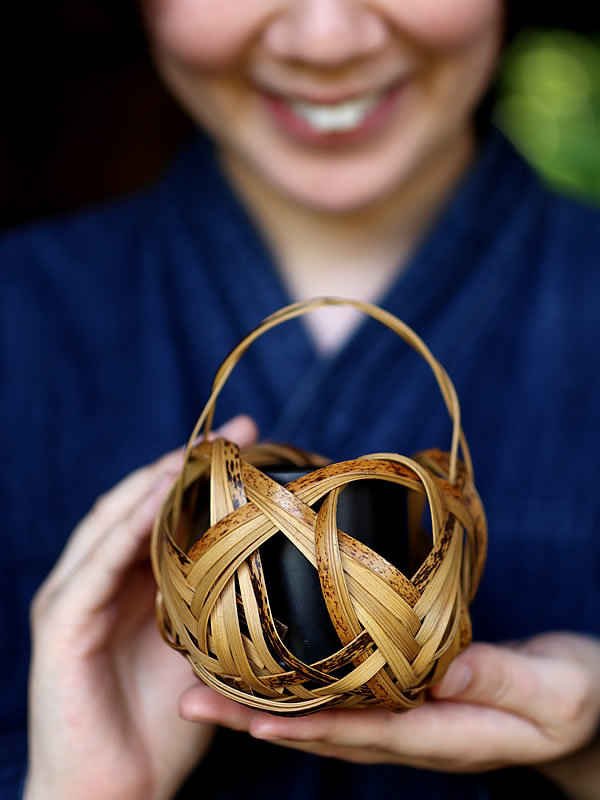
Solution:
(104, 687)
(526, 703)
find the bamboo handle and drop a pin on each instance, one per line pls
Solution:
(386, 318)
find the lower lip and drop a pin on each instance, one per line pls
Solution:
(294, 125)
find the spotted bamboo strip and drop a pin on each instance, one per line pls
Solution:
(397, 633)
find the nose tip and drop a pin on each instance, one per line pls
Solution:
(325, 32)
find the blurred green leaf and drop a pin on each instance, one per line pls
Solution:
(549, 105)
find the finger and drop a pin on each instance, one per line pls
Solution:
(451, 736)
(242, 430)
(347, 729)
(549, 691)
(202, 704)
(344, 728)
(89, 574)
(448, 736)
(121, 501)
(98, 578)
(116, 504)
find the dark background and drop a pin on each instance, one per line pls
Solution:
(84, 117)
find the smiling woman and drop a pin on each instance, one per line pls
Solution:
(262, 80)
(346, 148)
(310, 100)
(114, 105)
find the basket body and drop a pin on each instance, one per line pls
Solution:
(230, 528)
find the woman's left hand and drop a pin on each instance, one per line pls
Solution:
(526, 703)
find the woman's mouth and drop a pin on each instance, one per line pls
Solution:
(321, 122)
(333, 117)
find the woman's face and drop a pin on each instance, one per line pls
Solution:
(335, 103)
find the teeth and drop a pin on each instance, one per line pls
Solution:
(338, 117)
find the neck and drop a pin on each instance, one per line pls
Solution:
(357, 253)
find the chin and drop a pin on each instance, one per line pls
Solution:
(336, 194)
(337, 203)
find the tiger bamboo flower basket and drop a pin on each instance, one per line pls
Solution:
(396, 630)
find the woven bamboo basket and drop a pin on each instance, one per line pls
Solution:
(397, 632)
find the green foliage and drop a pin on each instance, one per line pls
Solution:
(549, 105)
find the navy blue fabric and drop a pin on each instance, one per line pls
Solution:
(113, 322)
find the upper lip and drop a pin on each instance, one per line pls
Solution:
(321, 97)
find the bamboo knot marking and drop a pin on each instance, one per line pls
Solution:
(397, 632)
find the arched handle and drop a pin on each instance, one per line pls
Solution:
(386, 318)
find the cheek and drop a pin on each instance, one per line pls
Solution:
(444, 24)
(210, 34)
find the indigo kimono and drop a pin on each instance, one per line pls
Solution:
(114, 320)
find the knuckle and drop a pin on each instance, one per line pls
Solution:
(39, 606)
(505, 678)
(494, 678)
(100, 504)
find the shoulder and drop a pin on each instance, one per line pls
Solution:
(105, 241)
(64, 250)
(64, 284)
(85, 272)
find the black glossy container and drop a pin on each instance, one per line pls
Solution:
(371, 511)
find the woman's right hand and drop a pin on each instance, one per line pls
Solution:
(103, 686)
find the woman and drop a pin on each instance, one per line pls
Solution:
(346, 160)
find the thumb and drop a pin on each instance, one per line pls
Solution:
(500, 677)
(548, 689)
(242, 430)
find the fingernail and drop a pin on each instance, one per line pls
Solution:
(455, 681)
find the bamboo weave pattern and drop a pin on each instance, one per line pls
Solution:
(397, 633)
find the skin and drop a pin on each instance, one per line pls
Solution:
(104, 687)
(528, 703)
(341, 220)
(115, 712)
(216, 56)
(348, 216)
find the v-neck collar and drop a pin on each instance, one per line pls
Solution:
(438, 276)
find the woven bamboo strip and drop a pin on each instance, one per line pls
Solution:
(397, 632)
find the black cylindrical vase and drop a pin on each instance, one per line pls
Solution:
(372, 511)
